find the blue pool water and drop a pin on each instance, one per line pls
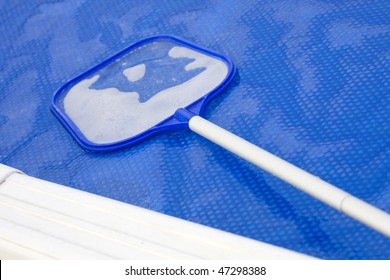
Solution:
(312, 87)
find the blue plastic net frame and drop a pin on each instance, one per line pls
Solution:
(176, 121)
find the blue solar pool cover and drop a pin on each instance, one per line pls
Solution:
(312, 87)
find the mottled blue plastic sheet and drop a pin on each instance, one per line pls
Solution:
(312, 87)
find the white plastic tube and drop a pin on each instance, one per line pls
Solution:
(310, 184)
(43, 220)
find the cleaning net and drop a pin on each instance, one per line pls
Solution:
(140, 89)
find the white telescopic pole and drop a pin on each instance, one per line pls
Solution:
(310, 184)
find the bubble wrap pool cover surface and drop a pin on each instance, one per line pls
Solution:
(312, 87)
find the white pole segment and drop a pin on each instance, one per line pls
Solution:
(310, 184)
